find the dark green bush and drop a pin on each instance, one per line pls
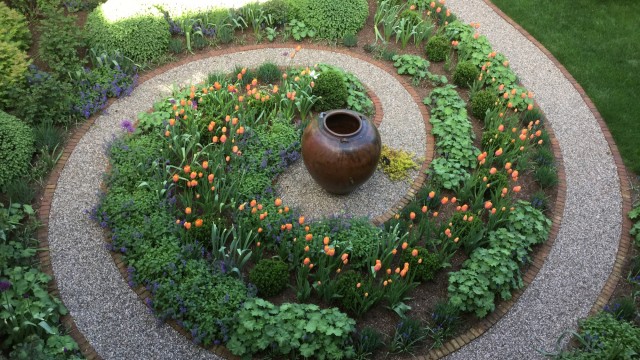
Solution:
(141, 34)
(437, 48)
(13, 68)
(482, 101)
(279, 11)
(268, 73)
(333, 92)
(16, 148)
(60, 41)
(546, 176)
(332, 19)
(350, 40)
(44, 99)
(424, 265)
(176, 45)
(14, 28)
(346, 288)
(465, 74)
(270, 276)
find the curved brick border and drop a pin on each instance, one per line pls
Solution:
(625, 238)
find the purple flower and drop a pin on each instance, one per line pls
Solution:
(127, 125)
(4, 286)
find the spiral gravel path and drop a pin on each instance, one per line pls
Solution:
(119, 326)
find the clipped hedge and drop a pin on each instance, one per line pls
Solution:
(333, 19)
(16, 148)
(139, 31)
(14, 27)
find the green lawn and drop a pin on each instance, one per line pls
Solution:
(599, 43)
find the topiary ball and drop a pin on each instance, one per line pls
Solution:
(424, 264)
(16, 148)
(481, 102)
(465, 74)
(332, 19)
(270, 276)
(437, 48)
(332, 90)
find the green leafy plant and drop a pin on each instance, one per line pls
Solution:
(299, 30)
(291, 329)
(16, 148)
(412, 65)
(332, 19)
(60, 41)
(445, 321)
(437, 48)
(271, 277)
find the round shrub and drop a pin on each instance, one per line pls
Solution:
(13, 67)
(482, 101)
(437, 48)
(346, 288)
(465, 74)
(269, 73)
(270, 276)
(139, 32)
(350, 40)
(332, 19)
(14, 28)
(424, 264)
(16, 148)
(332, 89)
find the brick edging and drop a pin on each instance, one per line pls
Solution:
(625, 188)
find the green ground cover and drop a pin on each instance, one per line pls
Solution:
(599, 43)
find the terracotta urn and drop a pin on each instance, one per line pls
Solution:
(340, 149)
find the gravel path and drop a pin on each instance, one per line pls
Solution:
(103, 306)
(583, 254)
(116, 323)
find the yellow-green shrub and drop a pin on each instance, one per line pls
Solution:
(13, 68)
(14, 27)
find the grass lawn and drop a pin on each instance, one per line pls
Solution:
(599, 43)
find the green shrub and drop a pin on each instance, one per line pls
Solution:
(604, 337)
(301, 329)
(279, 11)
(60, 41)
(270, 276)
(424, 265)
(346, 288)
(269, 73)
(350, 40)
(46, 99)
(333, 92)
(332, 19)
(16, 148)
(437, 48)
(465, 74)
(481, 102)
(140, 33)
(13, 68)
(14, 28)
